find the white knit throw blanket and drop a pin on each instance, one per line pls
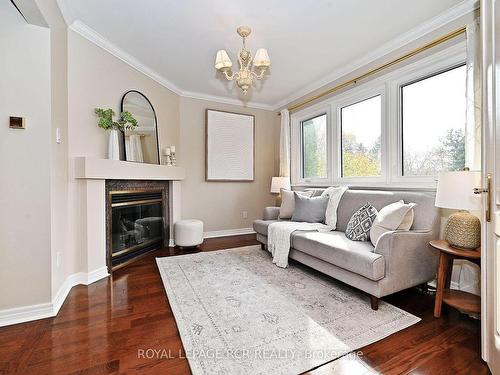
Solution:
(279, 234)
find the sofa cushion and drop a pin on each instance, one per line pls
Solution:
(260, 226)
(358, 227)
(336, 248)
(288, 202)
(426, 214)
(309, 210)
(397, 215)
(334, 194)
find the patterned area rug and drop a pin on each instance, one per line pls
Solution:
(237, 313)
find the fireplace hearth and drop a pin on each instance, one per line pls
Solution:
(137, 220)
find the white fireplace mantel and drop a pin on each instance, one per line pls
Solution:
(105, 169)
(92, 174)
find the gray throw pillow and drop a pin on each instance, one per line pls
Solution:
(288, 202)
(358, 227)
(310, 210)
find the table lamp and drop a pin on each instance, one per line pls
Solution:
(455, 190)
(278, 183)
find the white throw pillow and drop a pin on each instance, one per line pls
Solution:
(288, 202)
(395, 216)
(334, 195)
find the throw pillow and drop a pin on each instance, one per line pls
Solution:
(316, 191)
(288, 202)
(334, 195)
(360, 223)
(310, 210)
(395, 216)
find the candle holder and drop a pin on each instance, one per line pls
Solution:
(173, 159)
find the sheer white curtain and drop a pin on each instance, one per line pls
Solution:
(473, 95)
(466, 275)
(285, 144)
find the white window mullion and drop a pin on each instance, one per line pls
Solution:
(335, 144)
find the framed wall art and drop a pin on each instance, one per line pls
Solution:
(229, 146)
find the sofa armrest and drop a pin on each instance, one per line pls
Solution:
(271, 213)
(409, 260)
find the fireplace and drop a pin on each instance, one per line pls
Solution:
(137, 220)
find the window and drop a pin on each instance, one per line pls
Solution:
(361, 127)
(433, 123)
(314, 152)
(396, 130)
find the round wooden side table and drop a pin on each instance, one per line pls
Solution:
(464, 301)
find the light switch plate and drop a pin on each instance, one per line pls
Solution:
(17, 122)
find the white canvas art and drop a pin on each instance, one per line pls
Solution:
(229, 146)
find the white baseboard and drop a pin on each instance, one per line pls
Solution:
(46, 310)
(96, 275)
(228, 232)
(25, 314)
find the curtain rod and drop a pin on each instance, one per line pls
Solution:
(371, 72)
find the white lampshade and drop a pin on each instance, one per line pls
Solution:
(455, 190)
(222, 60)
(261, 58)
(278, 183)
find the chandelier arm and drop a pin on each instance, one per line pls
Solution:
(229, 75)
(260, 74)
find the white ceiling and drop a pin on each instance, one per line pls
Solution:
(306, 40)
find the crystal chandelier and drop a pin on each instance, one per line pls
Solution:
(245, 76)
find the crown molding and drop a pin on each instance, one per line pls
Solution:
(226, 100)
(426, 28)
(460, 10)
(93, 36)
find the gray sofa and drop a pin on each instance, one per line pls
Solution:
(401, 259)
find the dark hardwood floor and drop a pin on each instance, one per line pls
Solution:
(102, 328)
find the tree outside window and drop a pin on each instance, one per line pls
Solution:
(433, 118)
(361, 135)
(314, 152)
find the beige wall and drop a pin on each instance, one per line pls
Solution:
(59, 205)
(25, 274)
(98, 79)
(64, 77)
(220, 204)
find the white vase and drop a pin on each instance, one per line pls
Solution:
(113, 145)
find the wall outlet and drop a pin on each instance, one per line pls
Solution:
(58, 259)
(244, 214)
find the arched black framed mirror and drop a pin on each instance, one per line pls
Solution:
(141, 144)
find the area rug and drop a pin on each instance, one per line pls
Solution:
(237, 313)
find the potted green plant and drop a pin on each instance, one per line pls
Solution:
(106, 122)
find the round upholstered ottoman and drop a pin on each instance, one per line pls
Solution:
(188, 233)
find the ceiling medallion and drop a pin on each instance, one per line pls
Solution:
(250, 69)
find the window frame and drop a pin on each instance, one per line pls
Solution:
(354, 97)
(401, 120)
(297, 159)
(416, 75)
(302, 150)
(388, 86)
